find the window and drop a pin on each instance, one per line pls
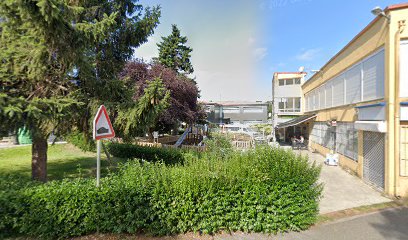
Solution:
(253, 109)
(347, 140)
(322, 134)
(329, 94)
(289, 105)
(297, 81)
(373, 76)
(281, 105)
(289, 81)
(338, 91)
(231, 109)
(353, 85)
(297, 103)
(361, 82)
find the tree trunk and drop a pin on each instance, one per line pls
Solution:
(150, 134)
(39, 159)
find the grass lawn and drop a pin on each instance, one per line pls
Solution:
(64, 161)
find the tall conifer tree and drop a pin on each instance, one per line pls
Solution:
(59, 56)
(174, 53)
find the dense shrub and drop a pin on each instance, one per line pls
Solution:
(219, 145)
(78, 139)
(11, 201)
(150, 154)
(264, 190)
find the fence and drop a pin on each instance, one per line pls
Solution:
(187, 147)
(242, 144)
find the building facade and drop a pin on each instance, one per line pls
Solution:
(359, 103)
(287, 102)
(237, 112)
(287, 95)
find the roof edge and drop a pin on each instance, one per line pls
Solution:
(396, 6)
(387, 9)
(312, 79)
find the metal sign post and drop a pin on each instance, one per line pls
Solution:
(102, 128)
(98, 162)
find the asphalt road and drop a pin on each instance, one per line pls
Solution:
(387, 224)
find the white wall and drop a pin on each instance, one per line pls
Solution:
(288, 91)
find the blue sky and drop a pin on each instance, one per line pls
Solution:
(238, 44)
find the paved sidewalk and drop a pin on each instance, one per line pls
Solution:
(386, 224)
(341, 189)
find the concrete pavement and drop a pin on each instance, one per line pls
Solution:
(390, 224)
(341, 189)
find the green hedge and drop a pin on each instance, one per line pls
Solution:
(150, 154)
(265, 190)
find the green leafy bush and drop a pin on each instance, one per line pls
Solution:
(150, 154)
(78, 139)
(219, 145)
(264, 190)
(11, 202)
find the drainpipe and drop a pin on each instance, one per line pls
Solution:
(401, 26)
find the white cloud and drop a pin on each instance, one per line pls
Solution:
(260, 53)
(309, 54)
(251, 41)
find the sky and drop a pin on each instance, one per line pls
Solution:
(239, 44)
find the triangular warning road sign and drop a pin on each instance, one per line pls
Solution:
(102, 127)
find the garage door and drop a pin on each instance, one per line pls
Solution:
(373, 153)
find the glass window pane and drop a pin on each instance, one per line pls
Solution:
(297, 103)
(290, 104)
(289, 81)
(281, 82)
(297, 81)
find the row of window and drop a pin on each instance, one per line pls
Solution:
(245, 110)
(246, 121)
(289, 81)
(289, 104)
(344, 138)
(362, 82)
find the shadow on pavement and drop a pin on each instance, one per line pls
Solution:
(394, 224)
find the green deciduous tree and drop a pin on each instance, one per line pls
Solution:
(173, 52)
(60, 56)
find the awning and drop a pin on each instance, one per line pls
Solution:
(372, 126)
(296, 121)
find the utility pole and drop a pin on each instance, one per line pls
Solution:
(273, 109)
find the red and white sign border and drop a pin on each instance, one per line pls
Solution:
(102, 110)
